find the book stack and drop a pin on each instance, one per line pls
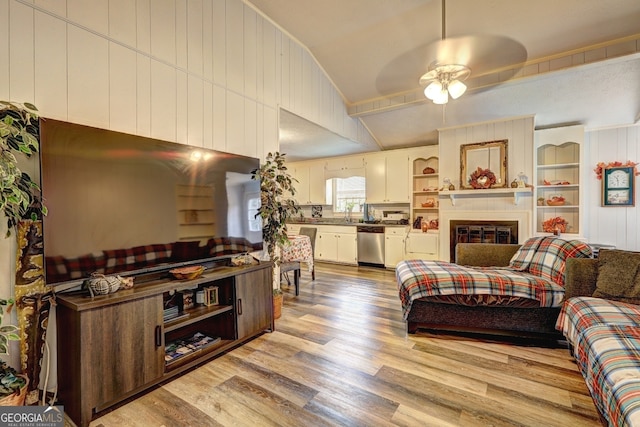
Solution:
(178, 349)
(171, 313)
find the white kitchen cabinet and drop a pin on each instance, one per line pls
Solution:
(293, 228)
(421, 245)
(387, 177)
(337, 244)
(394, 242)
(311, 187)
(344, 167)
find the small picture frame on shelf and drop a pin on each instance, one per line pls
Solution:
(211, 295)
(618, 186)
(187, 299)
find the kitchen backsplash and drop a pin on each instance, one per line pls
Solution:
(377, 211)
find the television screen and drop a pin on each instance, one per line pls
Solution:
(120, 203)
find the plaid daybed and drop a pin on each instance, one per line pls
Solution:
(605, 337)
(536, 272)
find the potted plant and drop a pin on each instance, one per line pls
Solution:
(21, 204)
(13, 387)
(276, 205)
(276, 208)
(19, 132)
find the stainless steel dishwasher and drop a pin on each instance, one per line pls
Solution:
(371, 245)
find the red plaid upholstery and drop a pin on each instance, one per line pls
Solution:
(136, 257)
(56, 269)
(84, 265)
(228, 245)
(550, 259)
(605, 336)
(524, 255)
(418, 279)
(546, 256)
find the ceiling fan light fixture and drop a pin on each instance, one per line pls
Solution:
(457, 88)
(433, 90)
(445, 78)
(442, 97)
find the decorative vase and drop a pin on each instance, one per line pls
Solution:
(278, 300)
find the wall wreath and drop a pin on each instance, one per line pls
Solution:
(482, 178)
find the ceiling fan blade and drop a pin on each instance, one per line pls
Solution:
(482, 53)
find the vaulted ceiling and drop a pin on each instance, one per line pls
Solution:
(567, 61)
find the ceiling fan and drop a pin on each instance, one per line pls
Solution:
(454, 59)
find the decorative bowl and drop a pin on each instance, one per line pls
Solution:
(187, 273)
(428, 171)
(555, 202)
(429, 203)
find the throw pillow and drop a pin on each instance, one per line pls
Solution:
(550, 259)
(522, 257)
(618, 276)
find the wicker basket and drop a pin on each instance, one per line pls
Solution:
(17, 398)
(187, 273)
(277, 305)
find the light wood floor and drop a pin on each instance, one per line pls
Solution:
(340, 356)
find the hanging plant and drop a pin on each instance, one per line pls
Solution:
(19, 133)
(277, 207)
(600, 167)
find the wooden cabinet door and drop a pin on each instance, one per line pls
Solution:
(122, 348)
(254, 307)
(317, 184)
(301, 173)
(347, 248)
(375, 176)
(397, 178)
(393, 250)
(326, 246)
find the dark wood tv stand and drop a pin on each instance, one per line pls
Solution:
(112, 347)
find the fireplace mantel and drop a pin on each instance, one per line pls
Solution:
(489, 192)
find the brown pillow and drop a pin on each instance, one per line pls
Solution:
(618, 276)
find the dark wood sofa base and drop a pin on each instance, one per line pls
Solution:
(537, 323)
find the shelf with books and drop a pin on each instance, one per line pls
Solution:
(195, 314)
(193, 345)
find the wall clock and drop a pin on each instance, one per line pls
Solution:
(618, 186)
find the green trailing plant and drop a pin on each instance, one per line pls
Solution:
(10, 381)
(19, 133)
(277, 205)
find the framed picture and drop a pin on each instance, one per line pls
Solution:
(618, 186)
(211, 295)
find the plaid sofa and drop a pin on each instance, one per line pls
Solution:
(113, 261)
(604, 337)
(499, 289)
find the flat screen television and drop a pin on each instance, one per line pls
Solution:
(124, 204)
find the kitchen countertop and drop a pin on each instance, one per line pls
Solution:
(339, 221)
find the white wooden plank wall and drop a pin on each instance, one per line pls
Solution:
(518, 132)
(619, 226)
(206, 73)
